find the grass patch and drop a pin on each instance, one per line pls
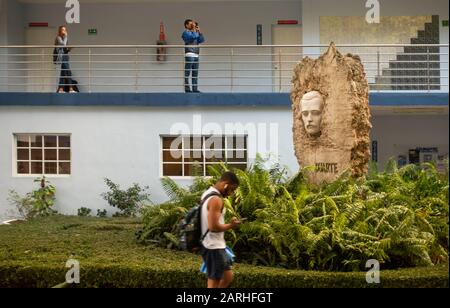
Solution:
(108, 227)
(34, 254)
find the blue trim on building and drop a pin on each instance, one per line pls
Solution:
(408, 99)
(201, 99)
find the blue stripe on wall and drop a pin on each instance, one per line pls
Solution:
(201, 99)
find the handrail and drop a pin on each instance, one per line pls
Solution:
(229, 68)
(230, 46)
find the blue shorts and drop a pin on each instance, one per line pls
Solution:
(216, 261)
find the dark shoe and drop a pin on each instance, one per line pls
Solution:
(196, 91)
(187, 90)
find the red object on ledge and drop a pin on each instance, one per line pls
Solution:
(161, 51)
(162, 36)
(38, 24)
(288, 22)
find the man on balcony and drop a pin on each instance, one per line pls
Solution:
(192, 37)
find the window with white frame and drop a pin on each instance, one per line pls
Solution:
(42, 154)
(191, 155)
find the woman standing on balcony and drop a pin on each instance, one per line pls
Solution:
(65, 80)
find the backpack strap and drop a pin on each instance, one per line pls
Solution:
(212, 194)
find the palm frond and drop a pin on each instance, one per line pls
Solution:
(173, 190)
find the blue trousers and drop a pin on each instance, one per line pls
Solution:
(191, 66)
(65, 79)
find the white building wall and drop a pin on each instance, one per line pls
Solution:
(15, 36)
(3, 41)
(120, 143)
(11, 33)
(123, 143)
(223, 22)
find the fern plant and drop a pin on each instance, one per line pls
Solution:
(398, 216)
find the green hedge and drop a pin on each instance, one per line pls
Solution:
(179, 276)
(33, 254)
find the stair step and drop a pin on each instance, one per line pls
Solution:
(399, 65)
(414, 49)
(429, 26)
(435, 19)
(386, 73)
(409, 67)
(432, 56)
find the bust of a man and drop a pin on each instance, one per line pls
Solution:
(311, 106)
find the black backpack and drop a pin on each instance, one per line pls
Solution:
(55, 55)
(191, 228)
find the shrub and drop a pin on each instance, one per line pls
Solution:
(101, 213)
(162, 221)
(44, 197)
(39, 202)
(84, 211)
(129, 202)
(398, 217)
(23, 204)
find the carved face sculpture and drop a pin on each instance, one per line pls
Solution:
(311, 109)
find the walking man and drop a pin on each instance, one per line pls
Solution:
(218, 263)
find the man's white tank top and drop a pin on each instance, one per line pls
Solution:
(212, 240)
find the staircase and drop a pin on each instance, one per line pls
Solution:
(416, 68)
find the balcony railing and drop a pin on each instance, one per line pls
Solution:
(223, 68)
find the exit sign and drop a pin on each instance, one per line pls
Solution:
(92, 31)
(445, 23)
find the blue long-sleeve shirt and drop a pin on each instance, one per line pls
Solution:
(192, 38)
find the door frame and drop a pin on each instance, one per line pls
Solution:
(277, 73)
